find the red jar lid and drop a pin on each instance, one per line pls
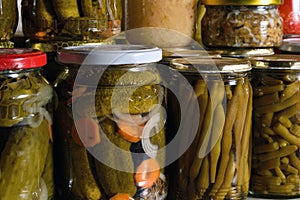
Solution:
(21, 58)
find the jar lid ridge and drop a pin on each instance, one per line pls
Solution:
(21, 58)
(109, 54)
(242, 2)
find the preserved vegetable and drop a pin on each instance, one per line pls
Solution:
(242, 26)
(26, 161)
(86, 20)
(217, 163)
(175, 16)
(38, 19)
(290, 12)
(113, 128)
(9, 16)
(275, 168)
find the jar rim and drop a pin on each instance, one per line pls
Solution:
(242, 2)
(21, 58)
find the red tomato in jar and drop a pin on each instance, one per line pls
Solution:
(290, 13)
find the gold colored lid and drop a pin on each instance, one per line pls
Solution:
(211, 65)
(276, 61)
(241, 2)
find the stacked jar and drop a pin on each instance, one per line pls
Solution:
(9, 16)
(290, 12)
(51, 25)
(26, 160)
(252, 27)
(110, 123)
(275, 163)
(160, 23)
(70, 20)
(213, 123)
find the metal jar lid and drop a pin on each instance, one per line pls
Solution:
(210, 66)
(169, 54)
(109, 54)
(277, 61)
(180, 52)
(242, 2)
(290, 45)
(21, 58)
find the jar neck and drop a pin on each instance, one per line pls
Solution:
(20, 73)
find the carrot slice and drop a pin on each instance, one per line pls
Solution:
(50, 132)
(147, 173)
(77, 92)
(85, 132)
(122, 196)
(130, 132)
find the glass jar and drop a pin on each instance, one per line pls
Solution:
(38, 20)
(243, 24)
(110, 123)
(216, 161)
(89, 20)
(115, 13)
(159, 19)
(26, 160)
(9, 16)
(290, 12)
(275, 160)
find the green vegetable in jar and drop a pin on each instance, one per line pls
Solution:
(38, 18)
(112, 180)
(65, 9)
(24, 99)
(24, 155)
(9, 19)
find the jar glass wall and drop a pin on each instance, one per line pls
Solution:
(122, 102)
(89, 20)
(243, 25)
(290, 12)
(26, 159)
(275, 160)
(176, 18)
(9, 16)
(217, 163)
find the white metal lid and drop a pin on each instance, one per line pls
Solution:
(114, 54)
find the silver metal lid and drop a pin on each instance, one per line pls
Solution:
(179, 52)
(113, 54)
(291, 45)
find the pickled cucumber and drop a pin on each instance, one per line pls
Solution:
(39, 12)
(86, 186)
(48, 173)
(114, 181)
(9, 18)
(94, 8)
(22, 161)
(65, 9)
